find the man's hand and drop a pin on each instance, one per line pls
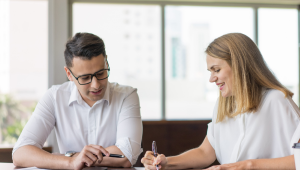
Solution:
(89, 155)
(233, 166)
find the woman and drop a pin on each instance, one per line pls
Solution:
(254, 117)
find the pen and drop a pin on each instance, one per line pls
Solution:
(154, 150)
(114, 155)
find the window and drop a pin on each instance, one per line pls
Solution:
(189, 30)
(23, 63)
(278, 42)
(131, 34)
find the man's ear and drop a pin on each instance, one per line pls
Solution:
(106, 62)
(68, 73)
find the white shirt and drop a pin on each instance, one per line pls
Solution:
(266, 133)
(296, 136)
(113, 120)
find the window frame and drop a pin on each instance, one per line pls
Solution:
(163, 4)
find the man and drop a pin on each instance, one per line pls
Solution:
(90, 115)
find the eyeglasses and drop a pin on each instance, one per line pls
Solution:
(87, 78)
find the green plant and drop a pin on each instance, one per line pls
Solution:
(13, 117)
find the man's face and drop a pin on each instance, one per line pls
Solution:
(95, 90)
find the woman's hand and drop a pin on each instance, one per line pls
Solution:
(233, 166)
(150, 161)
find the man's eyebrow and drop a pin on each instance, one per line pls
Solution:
(91, 74)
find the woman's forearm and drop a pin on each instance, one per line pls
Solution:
(275, 163)
(195, 158)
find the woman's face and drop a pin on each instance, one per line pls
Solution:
(221, 74)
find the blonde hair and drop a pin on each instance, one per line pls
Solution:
(250, 74)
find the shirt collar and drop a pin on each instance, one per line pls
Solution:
(75, 95)
(107, 93)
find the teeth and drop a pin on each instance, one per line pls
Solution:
(221, 84)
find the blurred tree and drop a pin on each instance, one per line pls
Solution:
(13, 117)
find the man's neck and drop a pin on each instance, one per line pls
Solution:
(89, 102)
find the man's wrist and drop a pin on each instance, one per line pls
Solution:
(70, 153)
(97, 163)
(70, 163)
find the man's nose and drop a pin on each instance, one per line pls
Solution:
(95, 83)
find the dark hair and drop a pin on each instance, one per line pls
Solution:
(83, 45)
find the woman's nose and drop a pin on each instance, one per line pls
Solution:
(212, 78)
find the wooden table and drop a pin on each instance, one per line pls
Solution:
(11, 166)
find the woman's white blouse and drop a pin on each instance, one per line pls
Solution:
(266, 133)
(296, 136)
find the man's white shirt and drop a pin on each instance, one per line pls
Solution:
(113, 120)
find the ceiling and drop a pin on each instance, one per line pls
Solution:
(292, 2)
(286, 2)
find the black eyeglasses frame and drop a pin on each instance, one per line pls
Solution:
(92, 75)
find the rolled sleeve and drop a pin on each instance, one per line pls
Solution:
(23, 142)
(39, 125)
(210, 127)
(130, 149)
(210, 135)
(295, 138)
(130, 129)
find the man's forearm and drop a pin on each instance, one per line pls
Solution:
(42, 159)
(31, 156)
(114, 162)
